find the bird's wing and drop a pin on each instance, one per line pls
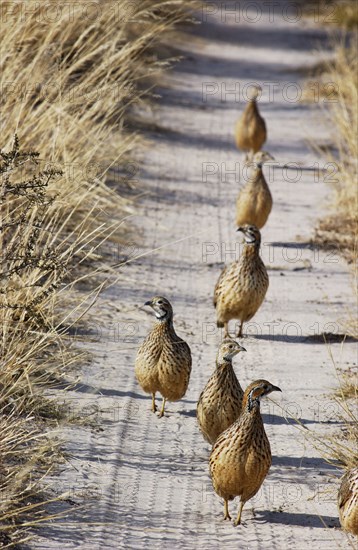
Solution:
(344, 491)
(218, 284)
(227, 275)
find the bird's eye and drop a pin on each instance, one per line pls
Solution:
(265, 387)
(160, 302)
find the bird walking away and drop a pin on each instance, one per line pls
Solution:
(220, 402)
(348, 501)
(163, 362)
(254, 202)
(241, 456)
(242, 286)
(250, 129)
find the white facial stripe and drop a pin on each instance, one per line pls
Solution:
(250, 239)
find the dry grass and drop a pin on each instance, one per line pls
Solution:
(348, 384)
(341, 447)
(330, 12)
(68, 84)
(340, 228)
(336, 86)
(27, 456)
(345, 14)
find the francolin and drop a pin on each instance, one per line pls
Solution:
(163, 362)
(254, 203)
(220, 402)
(242, 286)
(250, 129)
(348, 501)
(241, 456)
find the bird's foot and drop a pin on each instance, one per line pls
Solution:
(238, 519)
(226, 510)
(161, 414)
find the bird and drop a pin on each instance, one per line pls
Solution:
(250, 129)
(242, 285)
(163, 362)
(220, 401)
(348, 501)
(254, 202)
(241, 456)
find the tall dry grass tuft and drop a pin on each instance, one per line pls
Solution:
(340, 227)
(27, 456)
(338, 81)
(341, 446)
(69, 78)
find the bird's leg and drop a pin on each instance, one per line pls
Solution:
(162, 409)
(226, 330)
(154, 406)
(239, 334)
(238, 519)
(248, 157)
(226, 510)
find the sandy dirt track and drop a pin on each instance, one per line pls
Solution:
(145, 480)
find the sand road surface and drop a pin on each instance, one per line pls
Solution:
(143, 480)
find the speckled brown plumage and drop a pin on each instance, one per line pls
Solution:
(242, 286)
(250, 129)
(254, 202)
(348, 501)
(163, 362)
(241, 456)
(220, 402)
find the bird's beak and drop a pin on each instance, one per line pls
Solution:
(240, 228)
(276, 388)
(242, 349)
(149, 303)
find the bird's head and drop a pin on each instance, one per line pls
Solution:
(254, 92)
(251, 233)
(162, 308)
(228, 349)
(255, 391)
(260, 157)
